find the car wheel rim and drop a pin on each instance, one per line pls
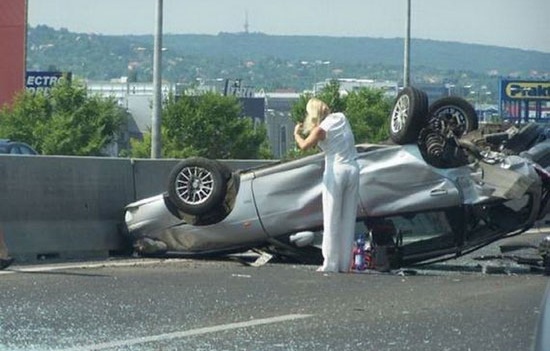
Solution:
(194, 185)
(453, 119)
(400, 114)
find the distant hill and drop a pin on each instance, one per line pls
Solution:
(273, 61)
(440, 54)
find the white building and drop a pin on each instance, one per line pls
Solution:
(347, 85)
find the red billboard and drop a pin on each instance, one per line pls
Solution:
(13, 24)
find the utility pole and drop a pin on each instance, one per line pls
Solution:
(156, 142)
(406, 69)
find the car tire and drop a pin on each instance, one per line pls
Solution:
(197, 185)
(408, 115)
(454, 114)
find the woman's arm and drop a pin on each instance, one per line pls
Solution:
(311, 140)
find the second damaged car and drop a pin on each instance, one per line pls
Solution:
(439, 191)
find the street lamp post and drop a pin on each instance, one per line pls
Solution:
(156, 143)
(406, 58)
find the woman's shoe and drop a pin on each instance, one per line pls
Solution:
(5, 262)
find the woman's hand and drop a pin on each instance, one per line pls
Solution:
(312, 139)
(298, 129)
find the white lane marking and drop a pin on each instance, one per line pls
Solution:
(187, 333)
(55, 267)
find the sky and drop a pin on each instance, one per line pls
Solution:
(508, 23)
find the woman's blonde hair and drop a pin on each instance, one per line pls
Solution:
(316, 110)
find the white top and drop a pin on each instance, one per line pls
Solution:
(339, 143)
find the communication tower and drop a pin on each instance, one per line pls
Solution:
(246, 22)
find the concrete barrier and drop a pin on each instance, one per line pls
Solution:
(151, 176)
(62, 207)
(54, 207)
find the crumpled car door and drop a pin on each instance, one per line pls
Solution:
(397, 180)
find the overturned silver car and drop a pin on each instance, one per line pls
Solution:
(440, 191)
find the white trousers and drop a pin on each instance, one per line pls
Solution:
(340, 200)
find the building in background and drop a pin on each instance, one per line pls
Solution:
(279, 123)
(135, 98)
(347, 85)
(13, 32)
(273, 109)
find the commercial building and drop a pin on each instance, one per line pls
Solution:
(13, 31)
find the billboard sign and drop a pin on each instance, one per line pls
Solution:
(525, 90)
(42, 81)
(524, 100)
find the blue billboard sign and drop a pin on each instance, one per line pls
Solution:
(525, 90)
(42, 81)
(524, 100)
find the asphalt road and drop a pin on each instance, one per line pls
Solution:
(215, 305)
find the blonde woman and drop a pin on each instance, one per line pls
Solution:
(332, 133)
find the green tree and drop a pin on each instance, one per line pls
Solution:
(331, 95)
(208, 125)
(64, 121)
(366, 109)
